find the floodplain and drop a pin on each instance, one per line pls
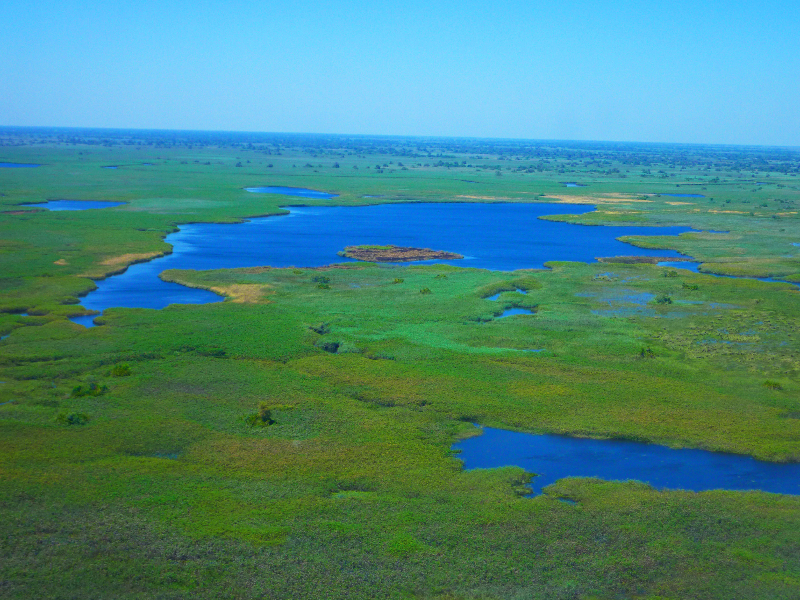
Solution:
(297, 438)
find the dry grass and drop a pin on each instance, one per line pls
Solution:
(601, 199)
(129, 259)
(243, 293)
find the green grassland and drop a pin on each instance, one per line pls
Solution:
(135, 462)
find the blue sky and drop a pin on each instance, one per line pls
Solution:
(660, 71)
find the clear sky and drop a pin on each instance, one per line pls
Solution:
(709, 71)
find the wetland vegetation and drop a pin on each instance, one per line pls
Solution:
(297, 439)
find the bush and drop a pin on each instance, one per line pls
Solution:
(263, 418)
(321, 279)
(425, 291)
(773, 385)
(122, 370)
(670, 273)
(647, 353)
(72, 419)
(663, 299)
(398, 280)
(90, 390)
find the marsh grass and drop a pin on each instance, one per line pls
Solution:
(353, 491)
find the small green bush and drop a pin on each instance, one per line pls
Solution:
(773, 385)
(90, 390)
(425, 291)
(72, 419)
(647, 353)
(263, 418)
(122, 370)
(321, 279)
(691, 286)
(663, 299)
(670, 273)
(398, 280)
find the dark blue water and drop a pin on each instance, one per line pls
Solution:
(490, 236)
(292, 191)
(5, 165)
(573, 184)
(553, 457)
(75, 204)
(684, 195)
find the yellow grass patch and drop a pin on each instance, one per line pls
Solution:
(484, 197)
(128, 259)
(243, 293)
(600, 199)
(680, 203)
(60, 261)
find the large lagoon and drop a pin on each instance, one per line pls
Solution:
(502, 236)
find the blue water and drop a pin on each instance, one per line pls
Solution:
(490, 236)
(85, 320)
(684, 195)
(111, 167)
(510, 312)
(553, 457)
(495, 297)
(694, 267)
(293, 191)
(573, 184)
(56, 205)
(5, 165)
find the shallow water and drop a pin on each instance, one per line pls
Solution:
(85, 320)
(294, 191)
(492, 236)
(553, 457)
(56, 205)
(8, 165)
(496, 296)
(510, 312)
(694, 267)
(573, 184)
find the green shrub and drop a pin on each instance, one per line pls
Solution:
(663, 299)
(670, 273)
(773, 385)
(72, 419)
(263, 418)
(398, 280)
(122, 370)
(321, 279)
(425, 291)
(90, 390)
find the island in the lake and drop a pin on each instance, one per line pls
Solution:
(396, 254)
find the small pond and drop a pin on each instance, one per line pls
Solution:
(553, 457)
(502, 236)
(293, 191)
(573, 184)
(57, 205)
(8, 165)
(510, 312)
(496, 296)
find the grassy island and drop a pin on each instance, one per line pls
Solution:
(396, 254)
